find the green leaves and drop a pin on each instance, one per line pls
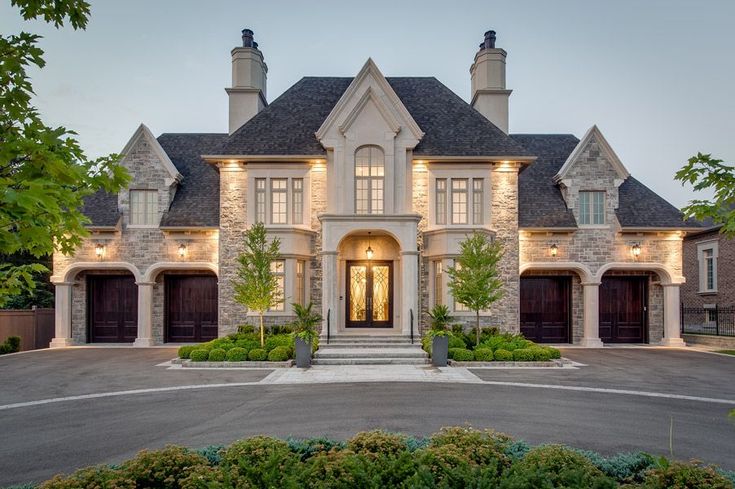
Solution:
(706, 173)
(76, 12)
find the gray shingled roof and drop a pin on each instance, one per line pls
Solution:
(641, 207)
(101, 209)
(196, 202)
(540, 203)
(451, 126)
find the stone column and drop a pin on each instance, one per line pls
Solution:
(62, 335)
(409, 292)
(591, 336)
(672, 316)
(145, 314)
(330, 297)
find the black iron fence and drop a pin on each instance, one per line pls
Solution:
(714, 320)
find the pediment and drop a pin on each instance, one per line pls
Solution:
(143, 133)
(594, 134)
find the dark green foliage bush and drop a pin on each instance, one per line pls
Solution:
(503, 355)
(260, 462)
(279, 354)
(416, 443)
(246, 329)
(479, 446)
(217, 355)
(237, 355)
(213, 453)
(91, 478)
(185, 351)
(524, 355)
(272, 342)
(516, 450)
(377, 442)
(10, 345)
(484, 355)
(624, 467)
(679, 475)
(554, 353)
(309, 447)
(458, 329)
(281, 329)
(257, 355)
(461, 354)
(540, 354)
(555, 466)
(456, 342)
(199, 355)
(163, 469)
(226, 343)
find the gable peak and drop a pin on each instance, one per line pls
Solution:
(146, 134)
(593, 134)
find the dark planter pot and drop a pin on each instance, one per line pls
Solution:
(439, 351)
(303, 353)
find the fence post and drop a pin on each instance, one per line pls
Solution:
(717, 319)
(681, 316)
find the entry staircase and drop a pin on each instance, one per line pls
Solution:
(370, 350)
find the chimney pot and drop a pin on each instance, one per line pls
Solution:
(247, 39)
(489, 42)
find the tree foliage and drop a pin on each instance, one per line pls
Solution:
(256, 287)
(44, 173)
(475, 280)
(706, 173)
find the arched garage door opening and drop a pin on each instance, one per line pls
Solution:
(190, 307)
(112, 301)
(546, 306)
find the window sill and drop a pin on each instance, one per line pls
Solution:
(142, 226)
(707, 292)
(594, 226)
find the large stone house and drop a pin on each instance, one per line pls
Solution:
(401, 167)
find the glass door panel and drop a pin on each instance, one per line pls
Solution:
(369, 295)
(358, 292)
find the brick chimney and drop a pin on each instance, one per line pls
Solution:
(249, 73)
(489, 95)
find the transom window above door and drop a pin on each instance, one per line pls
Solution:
(369, 180)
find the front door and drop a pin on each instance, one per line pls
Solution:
(369, 294)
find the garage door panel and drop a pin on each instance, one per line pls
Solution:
(545, 309)
(191, 308)
(623, 315)
(113, 309)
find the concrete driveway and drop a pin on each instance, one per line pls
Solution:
(629, 405)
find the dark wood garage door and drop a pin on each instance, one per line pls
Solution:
(623, 309)
(545, 304)
(113, 309)
(191, 308)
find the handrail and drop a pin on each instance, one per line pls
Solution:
(329, 311)
(411, 311)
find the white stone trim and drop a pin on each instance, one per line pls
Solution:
(714, 245)
(593, 133)
(144, 132)
(584, 272)
(667, 275)
(68, 274)
(154, 270)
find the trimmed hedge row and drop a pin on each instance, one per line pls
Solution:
(452, 458)
(240, 347)
(494, 346)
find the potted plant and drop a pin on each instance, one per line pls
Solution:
(439, 315)
(305, 333)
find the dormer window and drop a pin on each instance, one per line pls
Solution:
(369, 180)
(591, 208)
(144, 207)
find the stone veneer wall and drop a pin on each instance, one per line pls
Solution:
(420, 199)
(318, 179)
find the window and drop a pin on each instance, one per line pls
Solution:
(592, 207)
(459, 201)
(300, 282)
(438, 283)
(260, 200)
(710, 316)
(278, 269)
(279, 204)
(709, 269)
(458, 306)
(143, 207)
(297, 191)
(477, 198)
(441, 201)
(369, 180)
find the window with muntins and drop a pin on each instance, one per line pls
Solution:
(260, 200)
(709, 269)
(438, 282)
(459, 201)
(143, 207)
(441, 201)
(591, 207)
(279, 201)
(297, 192)
(477, 199)
(278, 269)
(369, 180)
(300, 282)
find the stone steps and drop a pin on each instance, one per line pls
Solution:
(370, 350)
(370, 361)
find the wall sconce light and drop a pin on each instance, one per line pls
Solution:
(369, 250)
(636, 250)
(182, 250)
(99, 250)
(553, 249)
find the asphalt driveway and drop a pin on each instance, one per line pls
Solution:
(40, 440)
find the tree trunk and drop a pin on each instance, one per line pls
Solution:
(262, 331)
(477, 327)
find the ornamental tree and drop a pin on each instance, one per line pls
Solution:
(474, 280)
(256, 287)
(706, 173)
(44, 173)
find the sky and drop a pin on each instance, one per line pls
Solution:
(656, 76)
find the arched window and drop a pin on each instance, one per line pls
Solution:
(369, 180)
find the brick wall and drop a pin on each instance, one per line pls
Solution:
(725, 295)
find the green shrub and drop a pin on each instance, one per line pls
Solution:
(279, 354)
(91, 478)
(680, 475)
(272, 342)
(458, 329)
(426, 343)
(377, 442)
(213, 453)
(257, 355)
(524, 355)
(555, 466)
(163, 469)
(461, 354)
(484, 355)
(309, 447)
(456, 342)
(554, 353)
(185, 351)
(247, 343)
(281, 329)
(237, 355)
(503, 355)
(199, 355)
(624, 467)
(245, 329)
(481, 447)
(540, 354)
(13, 343)
(260, 461)
(222, 344)
(217, 355)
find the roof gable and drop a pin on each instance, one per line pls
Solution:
(165, 161)
(593, 133)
